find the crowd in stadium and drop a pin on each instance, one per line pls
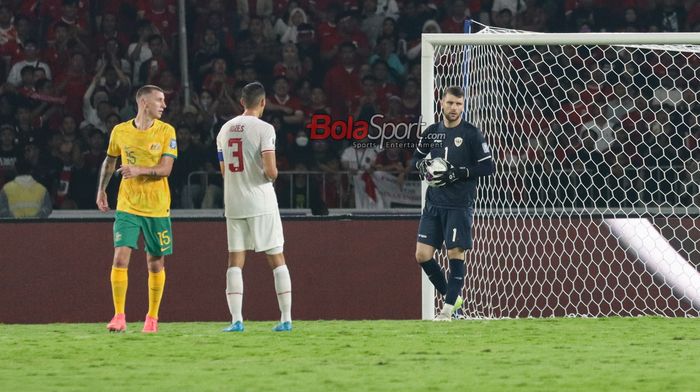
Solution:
(70, 68)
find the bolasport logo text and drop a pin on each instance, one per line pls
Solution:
(363, 134)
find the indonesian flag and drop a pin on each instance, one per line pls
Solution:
(370, 187)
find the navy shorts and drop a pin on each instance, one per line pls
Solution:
(453, 226)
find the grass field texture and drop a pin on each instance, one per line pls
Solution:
(608, 354)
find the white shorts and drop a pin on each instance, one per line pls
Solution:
(259, 233)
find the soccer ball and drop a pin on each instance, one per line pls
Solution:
(433, 166)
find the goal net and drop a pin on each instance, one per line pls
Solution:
(593, 210)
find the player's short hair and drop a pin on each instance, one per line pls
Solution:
(455, 91)
(252, 93)
(147, 89)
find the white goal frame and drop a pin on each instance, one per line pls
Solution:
(431, 41)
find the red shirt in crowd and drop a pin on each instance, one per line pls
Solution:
(165, 21)
(8, 41)
(341, 85)
(74, 89)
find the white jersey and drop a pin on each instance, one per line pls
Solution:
(240, 144)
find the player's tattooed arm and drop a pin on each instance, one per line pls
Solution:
(106, 172)
(162, 169)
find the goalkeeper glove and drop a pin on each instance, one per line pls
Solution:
(450, 175)
(422, 166)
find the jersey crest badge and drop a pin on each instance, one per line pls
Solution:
(173, 144)
(458, 141)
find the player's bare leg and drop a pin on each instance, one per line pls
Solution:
(234, 290)
(119, 281)
(156, 285)
(236, 259)
(283, 287)
(424, 257)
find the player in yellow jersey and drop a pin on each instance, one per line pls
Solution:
(147, 148)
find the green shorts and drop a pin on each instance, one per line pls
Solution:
(157, 233)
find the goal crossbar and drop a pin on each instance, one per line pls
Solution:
(524, 39)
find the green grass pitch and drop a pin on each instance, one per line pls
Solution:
(608, 354)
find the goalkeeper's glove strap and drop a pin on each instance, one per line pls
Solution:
(457, 173)
(452, 175)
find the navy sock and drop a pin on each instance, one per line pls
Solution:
(436, 275)
(456, 281)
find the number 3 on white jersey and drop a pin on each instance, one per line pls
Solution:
(237, 152)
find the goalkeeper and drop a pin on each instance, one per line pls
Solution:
(459, 155)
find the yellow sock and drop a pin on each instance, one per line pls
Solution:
(120, 281)
(156, 283)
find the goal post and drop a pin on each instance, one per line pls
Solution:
(593, 210)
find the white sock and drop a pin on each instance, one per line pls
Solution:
(234, 293)
(283, 287)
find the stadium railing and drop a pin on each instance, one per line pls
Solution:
(338, 186)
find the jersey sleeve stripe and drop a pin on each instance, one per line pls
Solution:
(484, 158)
(267, 151)
(113, 156)
(170, 155)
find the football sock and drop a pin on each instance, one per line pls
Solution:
(120, 280)
(436, 275)
(234, 293)
(456, 282)
(156, 284)
(283, 287)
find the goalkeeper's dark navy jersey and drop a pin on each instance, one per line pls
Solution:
(463, 146)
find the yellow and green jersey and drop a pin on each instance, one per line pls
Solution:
(143, 195)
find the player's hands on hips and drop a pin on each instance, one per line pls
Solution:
(102, 203)
(128, 171)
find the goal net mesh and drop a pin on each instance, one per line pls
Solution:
(593, 210)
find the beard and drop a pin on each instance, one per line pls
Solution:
(452, 116)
